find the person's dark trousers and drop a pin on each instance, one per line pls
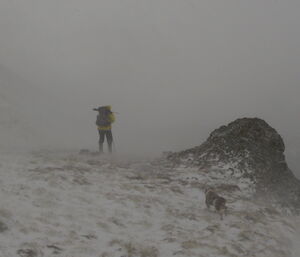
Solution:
(109, 138)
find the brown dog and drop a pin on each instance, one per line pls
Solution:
(211, 198)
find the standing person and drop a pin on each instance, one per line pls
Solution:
(105, 118)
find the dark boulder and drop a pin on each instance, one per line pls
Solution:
(257, 151)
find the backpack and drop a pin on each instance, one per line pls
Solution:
(103, 119)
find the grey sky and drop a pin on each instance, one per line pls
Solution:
(174, 69)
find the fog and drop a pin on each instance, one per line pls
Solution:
(174, 70)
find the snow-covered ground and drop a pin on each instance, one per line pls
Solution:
(83, 205)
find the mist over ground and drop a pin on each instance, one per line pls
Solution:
(174, 71)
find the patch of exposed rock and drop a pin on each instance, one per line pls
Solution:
(254, 148)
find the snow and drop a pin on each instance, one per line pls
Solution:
(75, 205)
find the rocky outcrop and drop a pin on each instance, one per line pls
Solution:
(256, 150)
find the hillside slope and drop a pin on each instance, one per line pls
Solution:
(64, 204)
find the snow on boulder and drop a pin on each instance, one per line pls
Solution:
(253, 149)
